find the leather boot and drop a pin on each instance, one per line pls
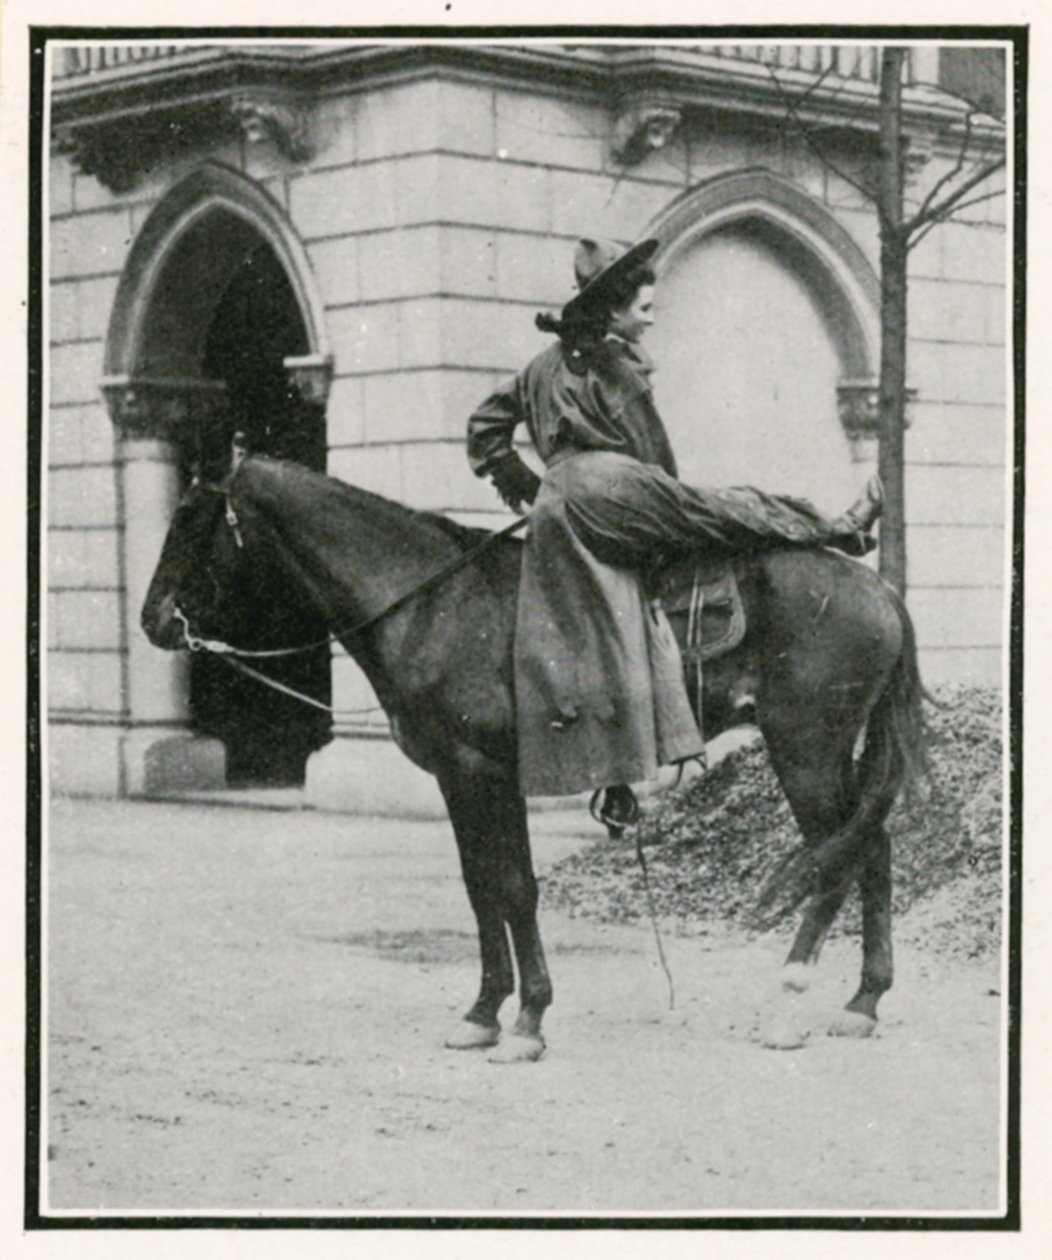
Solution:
(863, 514)
(853, 528)
(616, 808)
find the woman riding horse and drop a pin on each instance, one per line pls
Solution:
(599, 689)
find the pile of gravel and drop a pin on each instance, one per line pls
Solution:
(711, 846)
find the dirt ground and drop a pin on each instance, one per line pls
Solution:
(246, 1009)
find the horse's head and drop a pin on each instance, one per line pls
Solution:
(197, 578)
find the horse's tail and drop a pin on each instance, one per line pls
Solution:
(894, 757)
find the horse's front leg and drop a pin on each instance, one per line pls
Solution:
(480, 1026)
(489, 819)
(518, 896)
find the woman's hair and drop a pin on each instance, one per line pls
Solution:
(592, 322)
(623, 292)
(574, 332)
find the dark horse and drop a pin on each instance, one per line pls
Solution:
(829, 651)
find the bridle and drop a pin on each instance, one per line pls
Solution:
(235, 656)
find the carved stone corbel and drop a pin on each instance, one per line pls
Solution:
(858, 406)
(162, 407)
(285, 122)
(919, 152)
(310, 375)
(640, 129)
(118, 150)
(100, 152)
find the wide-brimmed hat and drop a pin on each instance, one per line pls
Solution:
(599, 267)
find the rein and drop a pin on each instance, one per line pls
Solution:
(228, 656)
(227, 652)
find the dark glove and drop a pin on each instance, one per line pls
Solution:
(515, 481)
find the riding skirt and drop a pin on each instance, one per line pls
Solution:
(598, 679)
(600, 694)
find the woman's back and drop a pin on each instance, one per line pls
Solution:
(602, 401)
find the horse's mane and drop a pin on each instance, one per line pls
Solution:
(465, 536)
(323, 485)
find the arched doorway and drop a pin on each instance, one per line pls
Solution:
(209, 316)
(256, 326)
(764, 313)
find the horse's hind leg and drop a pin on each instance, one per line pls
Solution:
(821, 791)
(823, 804)
(860, 1015)
(819, 816)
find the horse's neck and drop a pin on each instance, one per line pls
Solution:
(355, 553)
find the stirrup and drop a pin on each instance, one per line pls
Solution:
(615, 814)
(855, 544)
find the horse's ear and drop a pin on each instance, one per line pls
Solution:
(238, 450)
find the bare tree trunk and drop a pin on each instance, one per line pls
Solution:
(893, 263)
(950, 192)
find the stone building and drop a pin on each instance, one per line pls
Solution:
(341, 247)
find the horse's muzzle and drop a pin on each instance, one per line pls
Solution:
(163, 628)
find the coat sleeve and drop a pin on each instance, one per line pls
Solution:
(491, 428)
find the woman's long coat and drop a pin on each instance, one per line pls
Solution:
(598, 682)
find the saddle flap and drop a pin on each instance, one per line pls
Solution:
(706, 589)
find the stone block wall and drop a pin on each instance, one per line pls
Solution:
(84, 616)
(446, 235)
(439, 216)
(958, 498)
(957, 495)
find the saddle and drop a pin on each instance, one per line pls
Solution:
(706, 589)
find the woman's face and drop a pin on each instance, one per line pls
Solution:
(630, 322)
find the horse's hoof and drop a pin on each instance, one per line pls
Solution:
(514, 1048)
(471, 1036)
(852, 1024)
(785, 1032)
(796, 978)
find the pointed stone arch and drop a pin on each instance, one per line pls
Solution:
(158, 389)
(216, 192)
(832, 262)
(817, 249)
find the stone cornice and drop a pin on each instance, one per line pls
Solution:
(116, 148)
(130, 86)
(109, 116)
(697, 79)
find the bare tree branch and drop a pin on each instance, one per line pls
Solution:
(806, 95)
(806, 133)
(914, 241)
(950, 176)
(936, 213)
(810, 91)
(961, 205)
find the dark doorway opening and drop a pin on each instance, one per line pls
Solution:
(256, 325)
